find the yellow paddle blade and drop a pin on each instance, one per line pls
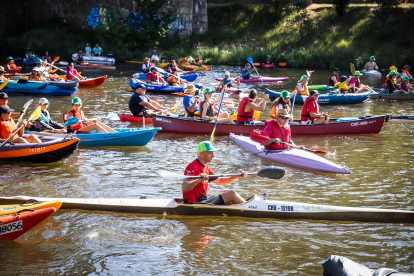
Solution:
(207, 68)
(393, 68)
(54, 70)
(174, 108)
(36, 114)
(4, 84)
(352, 67)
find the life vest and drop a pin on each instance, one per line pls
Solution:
(164, 60)
(390, 89)
(343, 88)
(146, 66)
(209, 112)
(408, 74)
(46, 58)
(283, 133)
(302, 92)
(78, 114)
(267, 61)
(44, 117)
(36, 78)
(13, 66)
(305, 115)
(153, 77)
(243, 116)
(330, 81)
(227, 82)
(173, 80)
(7, 127)
(273, 113)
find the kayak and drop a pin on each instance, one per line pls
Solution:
(96, 60)
(134, 119)
(392, 96)
(29, 62)
(167, 89)
(232, 90)
(46, 88)
(51, 149)
(124, 137)
(98, 66)
(191, 77)
(371, 73)
(188, 125)
(15, 225)
(329, 98)
(327, 88)
(29, 204)
(268, 66)
(190, 67)
(403, 118)
(93, 82)
(265, 79)
(158, 64)
(294, 157)
(254, 207)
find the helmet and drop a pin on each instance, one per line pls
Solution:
(343, 78)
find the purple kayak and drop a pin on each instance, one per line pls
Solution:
(265, 79)
(294, 157)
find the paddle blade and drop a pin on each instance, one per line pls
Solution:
(393, 68)
(183, 60)
(180, 94)
(228, 102)
(71, 121)
(259, 136)
(36, 114)
(174, 108)
(256, 64)
(282, 64)
(272, 172)
(352, 67)
(27, 104)
(207, 68)
(170, 176)
(250, 60)
(113, 117)
(4, 84)
(56, 59)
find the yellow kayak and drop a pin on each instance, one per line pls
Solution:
(256, 115)
(158, 64)
(29, 204)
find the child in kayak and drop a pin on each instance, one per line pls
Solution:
(44, 122)
(302, 85)
(208, 109)
(227, 81)
(197, 61)
(246, 73)
(355, 84)
(174, 79)
(391, 84)
(343, 84)
(11, 67)
(405, 85)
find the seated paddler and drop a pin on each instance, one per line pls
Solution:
(44, 122)
(139, 103)
(245, 114)
(191, 102)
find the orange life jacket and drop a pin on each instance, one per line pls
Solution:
(7, 127)
(302, 92)
(273, 113)
(243, 116)
(408, 74)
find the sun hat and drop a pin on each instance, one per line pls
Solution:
(3, 96)
(227, 73)
(285, 94)
(405, 78)
(283, 113)
(206, 146)
(190, 88)
(39, 60)
(141, 85)
(314, 92)
(5, 109)
(76, 100)
(268, 56)
(372, 57)
(9, 58)
(247, 64)
(392, 73)
(357, 73)
(207, 90)
(43, 101)
(2, 69)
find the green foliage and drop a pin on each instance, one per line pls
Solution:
(341, 6)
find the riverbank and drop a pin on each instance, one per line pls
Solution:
(314, 37)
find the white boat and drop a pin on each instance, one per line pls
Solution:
(371, 73)
(255, 207)
(96, 60)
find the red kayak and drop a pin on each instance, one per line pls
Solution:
(93, 82)
(265, 79)
(15, 225)
(95, 66)
(134, 119)
(268, 66)
(185, 125)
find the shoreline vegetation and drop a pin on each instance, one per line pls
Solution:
(301, 37)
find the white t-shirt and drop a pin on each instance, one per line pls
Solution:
(300, 86)
(279, 106)
(155, 58)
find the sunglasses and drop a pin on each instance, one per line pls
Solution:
(284, 118)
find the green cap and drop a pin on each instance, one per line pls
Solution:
(9, 58)
(76, 100)
(206, 146)
(268, 56)
(372, 57)
(303, 77)
(357, 73)
(405, 78)
(285, 94)
(392, 73)
(207, 90)
(39, 60)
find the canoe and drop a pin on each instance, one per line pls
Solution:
(142, 76)
(15, 225)
(29, 204)
(51, 149)
(134, 119)
(167, 89)
(158, 64)
(254, 207)
(329, 98)
(47, 88)
(29, 62)
(98, 66)
(265, 79)
(124, 137)
(268, 66)
(392, 96)
(186, 125)
(96, 60)
(294, 157)
(371, 73)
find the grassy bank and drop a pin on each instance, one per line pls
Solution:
(302, 38)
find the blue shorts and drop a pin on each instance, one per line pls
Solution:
(251, 123)
(215, 200)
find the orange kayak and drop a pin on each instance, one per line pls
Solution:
(190, 67)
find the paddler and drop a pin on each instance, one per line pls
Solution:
(355, 84)
(79, 58)
(406, 73)
(2, 71)
(227, 81)
(84, 125)
(164, 58)
(343, 84)
(4, 101)
(195, 190)
(371, 65)
(71, 73)
(302, 85)
(283, 102)
(11, 67)
(154, 78)
(47, 57)
(146, 66)
(8, 126)
(174, 79)
(139, 102)
(245, 114)
(154, 57)
(191, 102)
(197, 61)
(405, 85)
(310, 111)
(29, 55)
(279, 131)
(246, 73)
(172, 65)
(390, 83)
(209, 110)
(36, 75)
(44, 122)
(268, 61)
(333, 78)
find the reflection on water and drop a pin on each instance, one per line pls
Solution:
(80, 242)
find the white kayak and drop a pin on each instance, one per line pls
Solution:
(255, 207)
(371, 72)
(96, 60)
(294, 157)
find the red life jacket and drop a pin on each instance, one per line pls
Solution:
(78, 114)
(6, 128)
(305, 115)
(13, 66)
(283, 133)
(243, 116)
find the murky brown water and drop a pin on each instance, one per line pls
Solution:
(99, 243)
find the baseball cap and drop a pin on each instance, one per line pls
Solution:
(392, 73)
(268, 56)
(314, 92)
(406, 67)
(335, 70)
(141, 85)
(76, 100)
(8, 58)
(3, 96)
(207, 90)
(343, 78)
(303, 77)
(206, 146)
(405, 78)
(6, 109)
(227, 73)
(372, 57)
(43, 101)
(247, 64)
(285, 94)
(357, 73)
(39, 60)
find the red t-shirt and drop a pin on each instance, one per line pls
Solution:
(199, 192)
(152, 76)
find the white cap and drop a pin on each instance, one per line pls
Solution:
(43, 101)
(227, 73)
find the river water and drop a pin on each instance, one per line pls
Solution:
(103, 243)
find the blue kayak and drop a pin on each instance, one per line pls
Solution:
(142, 76)
(168, 89)
(328, 98)
(123, 137)
(29, 62)
(46, 88)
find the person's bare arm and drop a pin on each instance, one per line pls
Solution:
(190, 184)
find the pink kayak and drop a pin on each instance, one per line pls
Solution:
(265, 79)
(294, 157)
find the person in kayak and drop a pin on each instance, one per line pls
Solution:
(283, 102)
(172, 65)
(36, 75)
(164, 58)
(79, 58)
(146, 66)
(84, 125)
(47, 57)
(355, 84)
(139, 103)
(88, 49)
(405, 85)
(302, 85)
(279, 131)
(97, 51)
(333, 78)
(209, 110)
(268, 61)
(246, 73)
(227, 81)
(71, 73)
(2, 72)
(192, 101)
(391, 86)
(30, 56)
(155, 78)
(343, 84)
(8, 126)
(197, 61)
(44, 122)
(154, 57)
(371, 65)
(174, 79)
(4, 100)
(11, 67)
(405, 73)
(195, 190)
(245, 113)
(310, 111)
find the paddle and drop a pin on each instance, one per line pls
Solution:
(269, 172)
(261, 136)
(35, 115)
(352, 67)
(113, 117)
(4, 84)
(57, 68)
(250, 60)
(293, 105)
(218, 113)
(26, 105)
(71, 121)
(256, 64)
(282, 64)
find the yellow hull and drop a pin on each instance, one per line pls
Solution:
(158, 64)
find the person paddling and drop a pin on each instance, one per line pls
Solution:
(71, 73)
(146, 66)
(47, 57)
(8, 126)
(195, 190)
(245, 114)
(192, 101)
(371, 65)
(79, 58)
(2, 77)
(302, 85)
(406, 73)
(268, 61)
(283, 102)
(44, 122)
(155, 78)
(391, 86)
(172, 65)
(310, 111)
(139, 102)
(11, 67)
(227, 81)
(246, 73)
(4, 101)
(405, 85)
(164, 58)
(209, 111)
(333, 78)
(355, 84)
